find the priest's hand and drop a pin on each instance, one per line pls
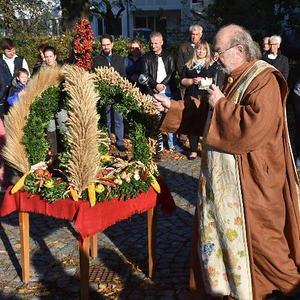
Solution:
(214, 95)
(162, 103)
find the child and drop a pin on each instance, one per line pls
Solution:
(18, 86)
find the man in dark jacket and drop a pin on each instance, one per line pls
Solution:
(185, 53)
(109, 59)
(186, 49)
(10, 63)
(275, 58)
(159, 67)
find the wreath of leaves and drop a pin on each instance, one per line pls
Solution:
(36, 145)
(128, 107)
(42, 111)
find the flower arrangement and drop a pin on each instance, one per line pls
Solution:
(84, 170)
(83, 44)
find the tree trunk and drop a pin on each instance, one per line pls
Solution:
(72, 11)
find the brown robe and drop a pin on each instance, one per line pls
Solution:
(255, 130)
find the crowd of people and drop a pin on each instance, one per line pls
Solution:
(247, 222)
(194, 63)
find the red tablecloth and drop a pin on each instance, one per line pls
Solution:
(87, 220)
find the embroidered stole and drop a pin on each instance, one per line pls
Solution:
(222, 246)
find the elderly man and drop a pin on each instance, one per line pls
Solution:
(275, 58)
(185, 53)
(246, 235)
(186, 50)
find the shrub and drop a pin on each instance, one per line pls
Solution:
(27, 46)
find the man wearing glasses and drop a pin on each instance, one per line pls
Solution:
(246, 231)
(275, 58)
(109, 59)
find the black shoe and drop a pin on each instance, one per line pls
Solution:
(192, 157)
(122, 148)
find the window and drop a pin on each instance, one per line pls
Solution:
(140, 22)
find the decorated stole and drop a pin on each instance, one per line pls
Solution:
(222, 246)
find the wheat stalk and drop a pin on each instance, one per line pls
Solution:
(83, 135)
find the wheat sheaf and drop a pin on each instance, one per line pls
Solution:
(83, 134)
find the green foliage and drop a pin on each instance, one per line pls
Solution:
(139, 141)
(35, 184)
(27, 46)
(126, 190)
(41, 112)
(128, 107)
(25, 17)
(114, 95)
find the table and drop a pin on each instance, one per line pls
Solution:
(88, 221)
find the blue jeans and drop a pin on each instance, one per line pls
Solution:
(172, 139)
(119, 124)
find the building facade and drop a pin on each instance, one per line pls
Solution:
(171, 17)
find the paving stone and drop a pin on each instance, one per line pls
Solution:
(52, 241)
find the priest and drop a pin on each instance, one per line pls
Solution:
(246, 242)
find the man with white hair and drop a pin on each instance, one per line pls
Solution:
(185, 53)
(246, 242)
(275, 58)
(186, 50)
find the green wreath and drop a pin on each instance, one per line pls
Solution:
(85, 161)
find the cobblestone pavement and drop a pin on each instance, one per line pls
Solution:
(122, 251)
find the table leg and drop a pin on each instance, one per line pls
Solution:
(84, 249)
(24, 239)
(94, 246)
(152, 221)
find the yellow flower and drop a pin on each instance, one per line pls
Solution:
(231, 234)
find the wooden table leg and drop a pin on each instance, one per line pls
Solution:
(24, 239)
(152, 221)
(84, 268)
(94, 246)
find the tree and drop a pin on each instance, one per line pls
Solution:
(261, 17)
(105, 9)
(25, 16)
(73, 11)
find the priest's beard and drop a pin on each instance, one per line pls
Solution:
(226, 70)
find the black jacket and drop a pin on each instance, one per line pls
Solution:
(185, 53)
(149, 66)
(212, 71)
(281, 63)
(100, 60)
(6, 79)
(6, 75)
